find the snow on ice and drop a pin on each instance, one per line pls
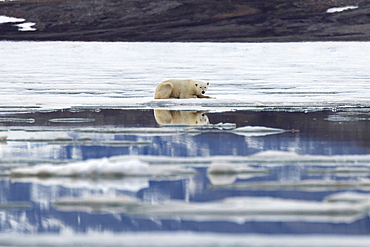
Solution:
(124, 75)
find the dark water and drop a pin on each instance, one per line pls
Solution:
(341, 136)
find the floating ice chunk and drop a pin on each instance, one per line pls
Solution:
(238, 209)
(305, 185)
(268, 158)
(226, 173)
(105, 185)
(138, 131)
(282, 156)
(348, 197)
(122, 200)
(222, 173)
(6, 19)
(272, 155)
(113, 143)
(17, 120)
(57, 137)
(257, 131)
(15, 205)
(84, 139)
(102, 168)
(71, 120)
(224, 126)
(190, 129)
(26, 27)
(222, 179)
(96, 203)
(94, 237)
(340, 9)
(228, 168)
(222, 168)
(88, 168)
(341, 171)
(345, 119)
(63, 139)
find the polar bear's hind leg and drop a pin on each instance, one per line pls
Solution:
(163, 91)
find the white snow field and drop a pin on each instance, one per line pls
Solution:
(54, 75)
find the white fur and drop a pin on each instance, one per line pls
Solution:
(181, 89)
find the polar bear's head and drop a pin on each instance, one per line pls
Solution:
(201, 87)
(201, 119)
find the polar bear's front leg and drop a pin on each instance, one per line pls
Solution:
(202, 96)
(187, 96)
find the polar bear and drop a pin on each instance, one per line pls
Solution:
(181, 117)
(181, 89)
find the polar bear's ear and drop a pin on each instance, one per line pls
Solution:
(207, 83)
(196, 84)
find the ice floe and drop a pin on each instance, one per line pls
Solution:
(15, 206)
(102, 168)
(349, 197)
(6, 19)
(105, 185)
(346, 165)
(97, 203)
(362, 184)
(17, 120)
(266, 158)
(26, 27)
(340, 171)
(219, 168)
(23, 27)
(340, 9)
(164, 130)
(220, 173)
(238, 209)
(70, 141)
(72, 120)
(182, 238)
(60, 136)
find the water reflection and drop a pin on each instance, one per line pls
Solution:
(256, 180)
(164, 117)
(223, 173)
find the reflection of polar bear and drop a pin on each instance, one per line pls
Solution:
(181, 117)
(181, 89)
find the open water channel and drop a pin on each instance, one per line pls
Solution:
(280, 156)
